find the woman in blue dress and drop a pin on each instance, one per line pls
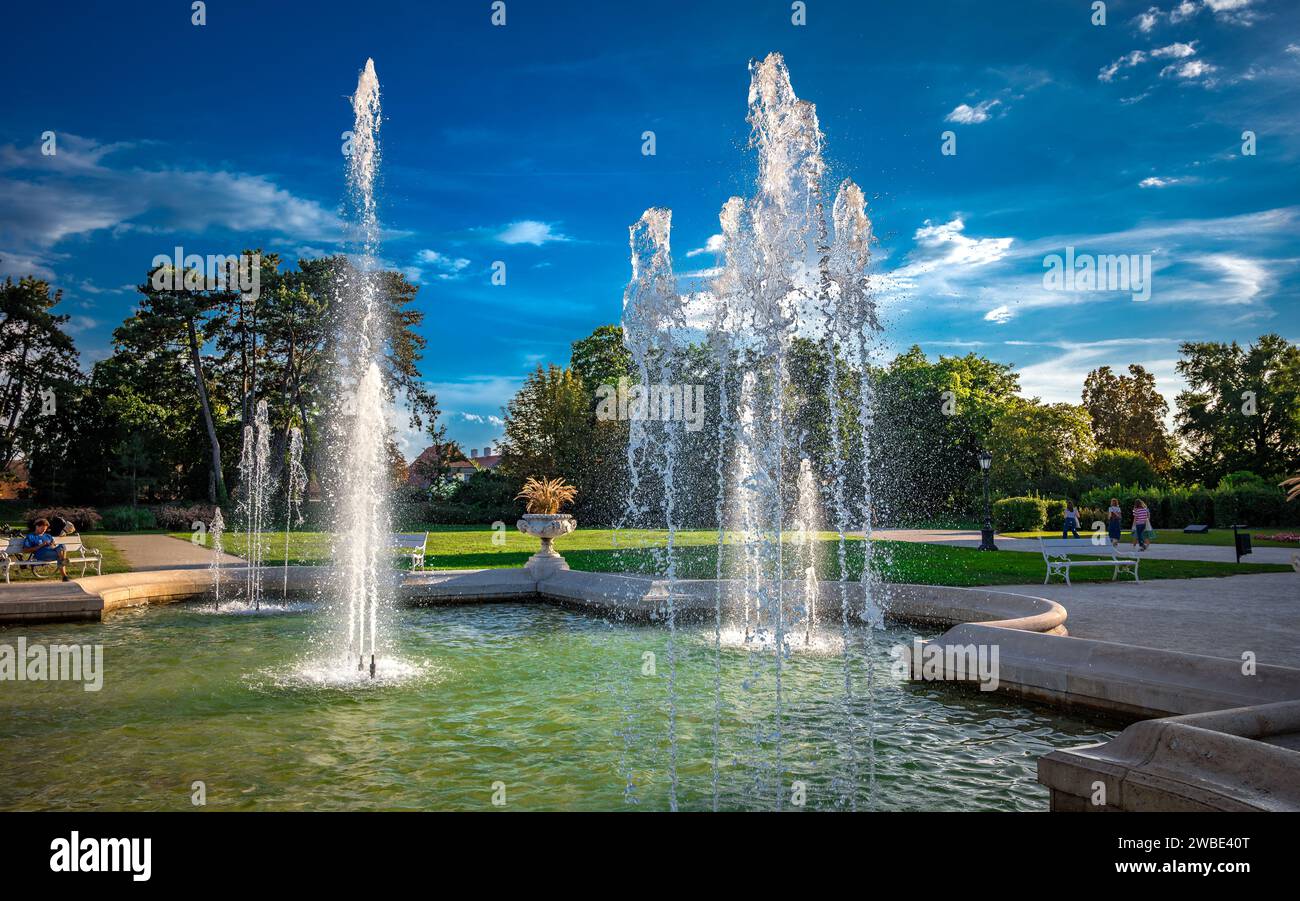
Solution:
(41, 544)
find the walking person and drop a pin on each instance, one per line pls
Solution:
(1141, 525)
(1114, 522)
(1071, 521)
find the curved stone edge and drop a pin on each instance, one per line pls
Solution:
(1124, 682)
(1241, 759)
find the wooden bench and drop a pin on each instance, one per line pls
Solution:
(413, 545)
(1057, 551)
(15, 555)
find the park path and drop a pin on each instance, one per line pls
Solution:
(1223, 617)
(153, 552)
(1157, 550)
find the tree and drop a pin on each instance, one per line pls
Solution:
(1121, 467)
(1128, 413)
(546, 426)
(179, 314)
(1241, 409)
(933, 419)
(1039, 447)
(38, 365)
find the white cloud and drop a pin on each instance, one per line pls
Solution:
(1190, 70)
(530, 231)
(1156, 181)
(713, 245)
(1147, 20)
(445, 268)
(1000, 314)
(1175, 51)
(76, 192)
(947, 244)
(478, 418)
(972, 115)
(1127, 61)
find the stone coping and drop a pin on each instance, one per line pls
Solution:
(638, 598)
(1242, 759)
(1125, 682)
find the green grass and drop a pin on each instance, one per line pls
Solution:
(593, 550)
(1213, 538)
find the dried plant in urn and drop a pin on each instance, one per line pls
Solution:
(544, 497)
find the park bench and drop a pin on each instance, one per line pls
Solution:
(15, 555)
(1057, 551)
(413, 545)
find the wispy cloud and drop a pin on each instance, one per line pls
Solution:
(78, 192)
(713, 245)
(531, 231)
(965, 114)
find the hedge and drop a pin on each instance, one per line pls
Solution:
(1249, 504)
(1019, 514)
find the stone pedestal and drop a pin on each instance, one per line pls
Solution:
(547, 527)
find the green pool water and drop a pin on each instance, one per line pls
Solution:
(536, 706)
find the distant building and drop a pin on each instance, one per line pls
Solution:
(427, 463)
(463, 469)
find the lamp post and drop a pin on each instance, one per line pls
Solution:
(986, 533)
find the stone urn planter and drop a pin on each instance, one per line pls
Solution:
(547, 527)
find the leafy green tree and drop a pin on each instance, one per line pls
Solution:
(1111, 466)
(1241, 409)
(1039, 447)
(38, 365)
(1128, 413)
(933, 418)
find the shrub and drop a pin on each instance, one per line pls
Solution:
(129, 519)
(86, 519)
(1055, 513)
(1019, 514)
(181, 518)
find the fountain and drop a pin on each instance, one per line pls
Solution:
(362, 529)
(255, 479)
(786, 273)
(216, 529)
(295, 485)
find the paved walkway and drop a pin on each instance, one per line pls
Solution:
(1217, 617)
(1157, 551)
(152, 552)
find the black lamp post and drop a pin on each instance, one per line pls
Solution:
(986, 533)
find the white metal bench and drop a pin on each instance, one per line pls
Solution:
(1057, 551)
(413, 545)
(15, 555)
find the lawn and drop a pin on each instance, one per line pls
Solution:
(1215, 537)
(593, 550)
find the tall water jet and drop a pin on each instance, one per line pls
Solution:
(216, 529)
(652, 317)
(806, 519)
(295, 485)
(254, 476)
(362, 527)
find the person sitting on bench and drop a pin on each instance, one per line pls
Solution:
(41, 544)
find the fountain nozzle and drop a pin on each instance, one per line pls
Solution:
(372, 666)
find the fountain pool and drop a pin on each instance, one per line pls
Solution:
(525, 694)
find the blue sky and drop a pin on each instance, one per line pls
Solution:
(523, 144)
